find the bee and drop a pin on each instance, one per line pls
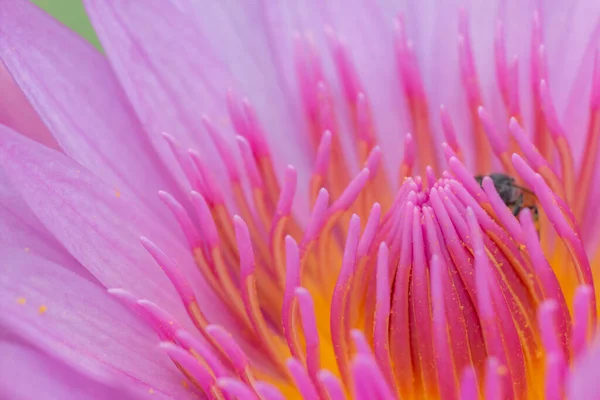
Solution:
(514, 196)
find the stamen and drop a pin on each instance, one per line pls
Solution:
(302, 380)
(382, 314)
(535, 158)
(332, 385)
(471, 84)
(493, 379)
(448, 130)
(184, 162)
(499, 148)
(560, 141)
(447, 380)
(408, 158)
(236, 388)
(194, 368)
(468, 385)
(223, 149)
(345, 68)
(339, 323)
(309, 326)
(202, 351)
(588, 167)
(184, 220)
(582, 320)
(267, 391)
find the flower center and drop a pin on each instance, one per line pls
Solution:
(439, 287)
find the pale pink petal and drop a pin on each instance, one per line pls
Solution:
(74, 91)
(68, 317)
(97, 224)
(16, 112)
(29, 374)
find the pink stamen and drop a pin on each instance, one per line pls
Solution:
(209, 228)
(236, 388)
(345, 68)
(255, 135)
(595, 95)
(326, 113)
(249, 162)
(407, 61)
(554, 126)
(286, 197)
(444, 365)
(323, 154)
(543, 270)
(448, 129)
(194, 368)
(421, 303)
(374, 161)
(502, 212)
(582, 328)
(172, 271)
(483, 281)
(500, 147)
(212, 189)
(332, 385)
(468, 385)
(351, 192)
(206, 352)
(183, 218)
(183, 161)
(531, 153)
(311, 334)
(493, 389)
(223, 149)
(399, 320)
(367, 378)
(430, 175)
(268, 391)
(500, 57)
(363, 120)
(548, 329)
(513, 87)
(236, 114)
(556, 368)
(382, 314)
(164, 323)
(234, 353)
(466, 60)
(292, 281)
(339, 322)
(467, 180)
(370, 231)
(316, 218)
(302, 380)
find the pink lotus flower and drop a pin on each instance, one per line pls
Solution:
(342, 275)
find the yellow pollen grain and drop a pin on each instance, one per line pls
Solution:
(21, 300)
(42, 309)
(185, 384)
(27, 249)
(502, 370)
(117, 193)
(151, 391)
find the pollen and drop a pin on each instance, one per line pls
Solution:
(21, 300)
(42, 309)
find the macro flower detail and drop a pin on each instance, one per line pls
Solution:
(229, 204)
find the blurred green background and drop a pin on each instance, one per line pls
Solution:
(72, 14)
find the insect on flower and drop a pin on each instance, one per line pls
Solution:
(515, 197)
